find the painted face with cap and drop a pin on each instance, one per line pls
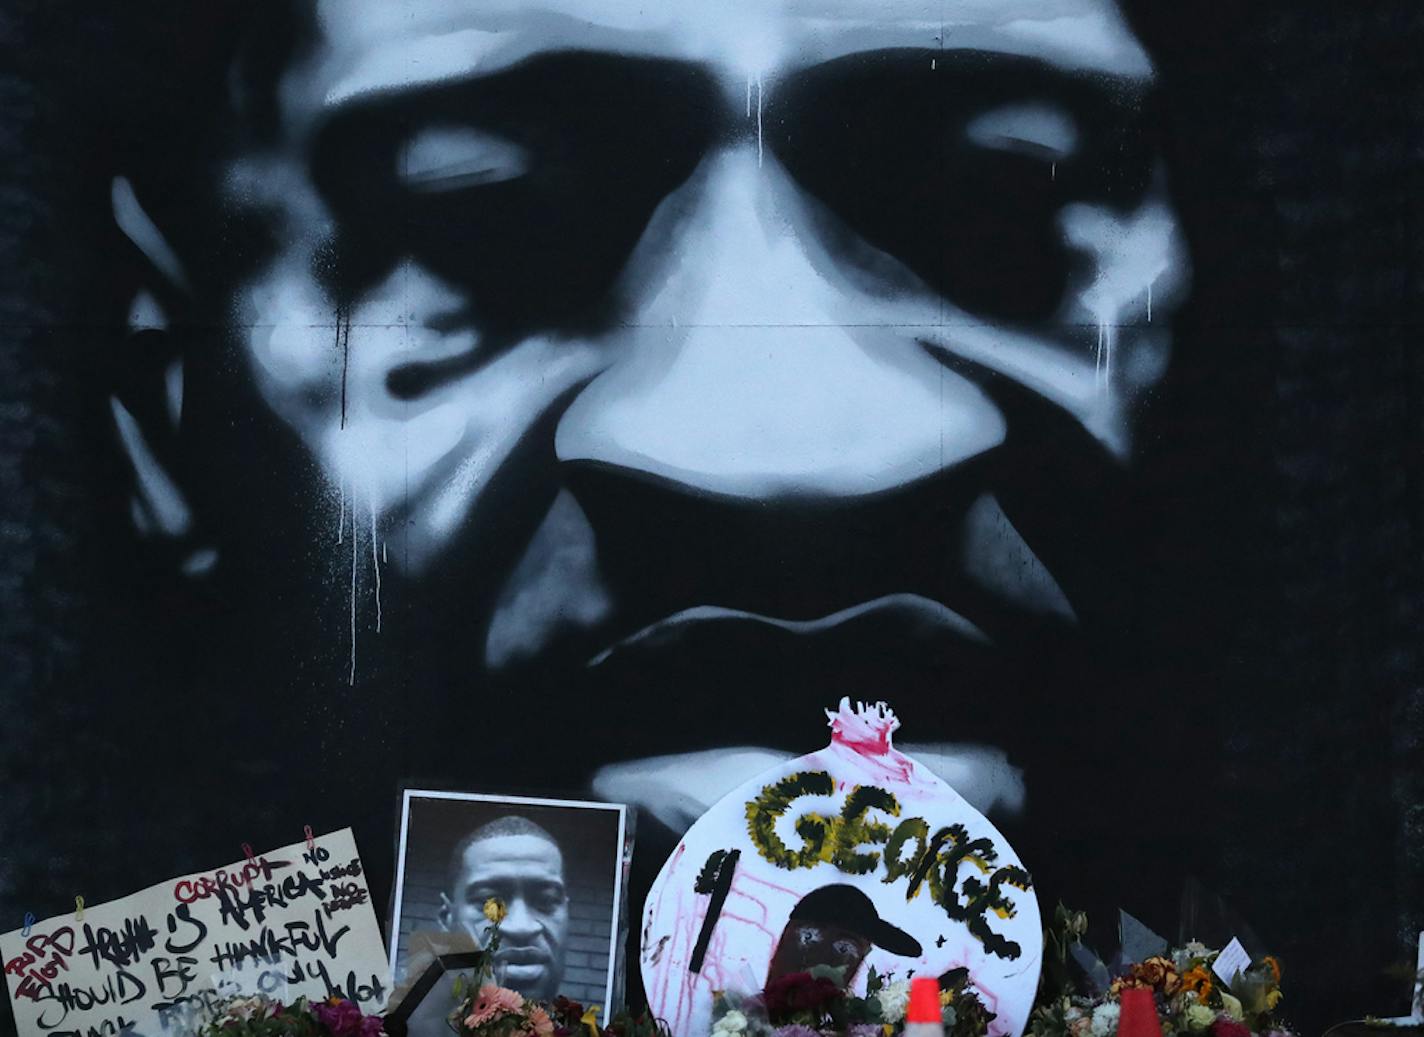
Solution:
(835, 926)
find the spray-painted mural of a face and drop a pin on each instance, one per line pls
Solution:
(700, 348)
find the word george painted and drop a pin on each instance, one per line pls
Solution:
(911, 853)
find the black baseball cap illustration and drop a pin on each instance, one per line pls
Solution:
(850, 909)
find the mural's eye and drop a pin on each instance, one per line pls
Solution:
(1035, 129)
(956, 164)
(808, 935)
(846, 949)
(449, 158)
(526, 190)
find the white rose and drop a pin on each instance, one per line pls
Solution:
(1105, 1019)
(245, 1008)
(894, 998)
(1199, 1017)
(732, 1022)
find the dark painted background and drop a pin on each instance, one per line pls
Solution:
(1265, 737)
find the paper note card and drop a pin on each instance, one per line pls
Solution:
(1232, 959)
(296, 921)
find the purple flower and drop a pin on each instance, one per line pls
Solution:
(342, 1018)
(796, 1030)
(863, 1030)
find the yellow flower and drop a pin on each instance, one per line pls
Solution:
(590, 1020)
(1197, 980)
(495, 910)
(1273, 998)
(946, 997)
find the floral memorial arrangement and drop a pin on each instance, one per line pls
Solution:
(486, 1009)
(1181, 990)
(264, 1017)
(817, 1004)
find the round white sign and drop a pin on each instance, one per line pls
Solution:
(855, 857)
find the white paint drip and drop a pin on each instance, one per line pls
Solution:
(341, 513)
(351, 680)
(759, 133)
(1107, 340)
(378, 556)
(376, 567)
(749, 96)
(1149, 302)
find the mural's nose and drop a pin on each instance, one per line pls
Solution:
(752, 366)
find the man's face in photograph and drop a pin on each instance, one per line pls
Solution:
(525, 872)
(729, 349)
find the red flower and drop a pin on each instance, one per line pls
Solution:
(567, 1012)
(1224, 1027)
(800, 992)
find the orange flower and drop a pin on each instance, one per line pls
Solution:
(1160, 973)
(1274, 965)
(1155, 973)
(1124, 983)
(1197, 981)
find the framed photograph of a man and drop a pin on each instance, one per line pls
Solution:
(557, 865)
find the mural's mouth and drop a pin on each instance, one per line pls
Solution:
(916, 615)
(717, 670)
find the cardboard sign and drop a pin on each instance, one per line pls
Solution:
(855, 857)
(293, 922)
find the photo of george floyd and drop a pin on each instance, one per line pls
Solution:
(574, 397)
(555, 869)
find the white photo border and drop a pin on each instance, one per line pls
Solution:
(407, 795)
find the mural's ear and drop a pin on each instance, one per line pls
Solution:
(146, 393)
(446, 915)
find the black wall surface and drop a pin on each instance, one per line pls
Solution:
(1262, 734)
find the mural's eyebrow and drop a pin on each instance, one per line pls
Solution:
(542, 86)
(996, 75)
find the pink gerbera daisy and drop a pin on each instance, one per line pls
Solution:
(491, 1003)
(540, 1022)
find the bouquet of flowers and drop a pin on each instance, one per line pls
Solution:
(817, 1004)
(487, 1009)
(263, 1017)
(572, 1020)
(1189, 996)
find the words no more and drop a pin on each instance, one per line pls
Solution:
(910, 852)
